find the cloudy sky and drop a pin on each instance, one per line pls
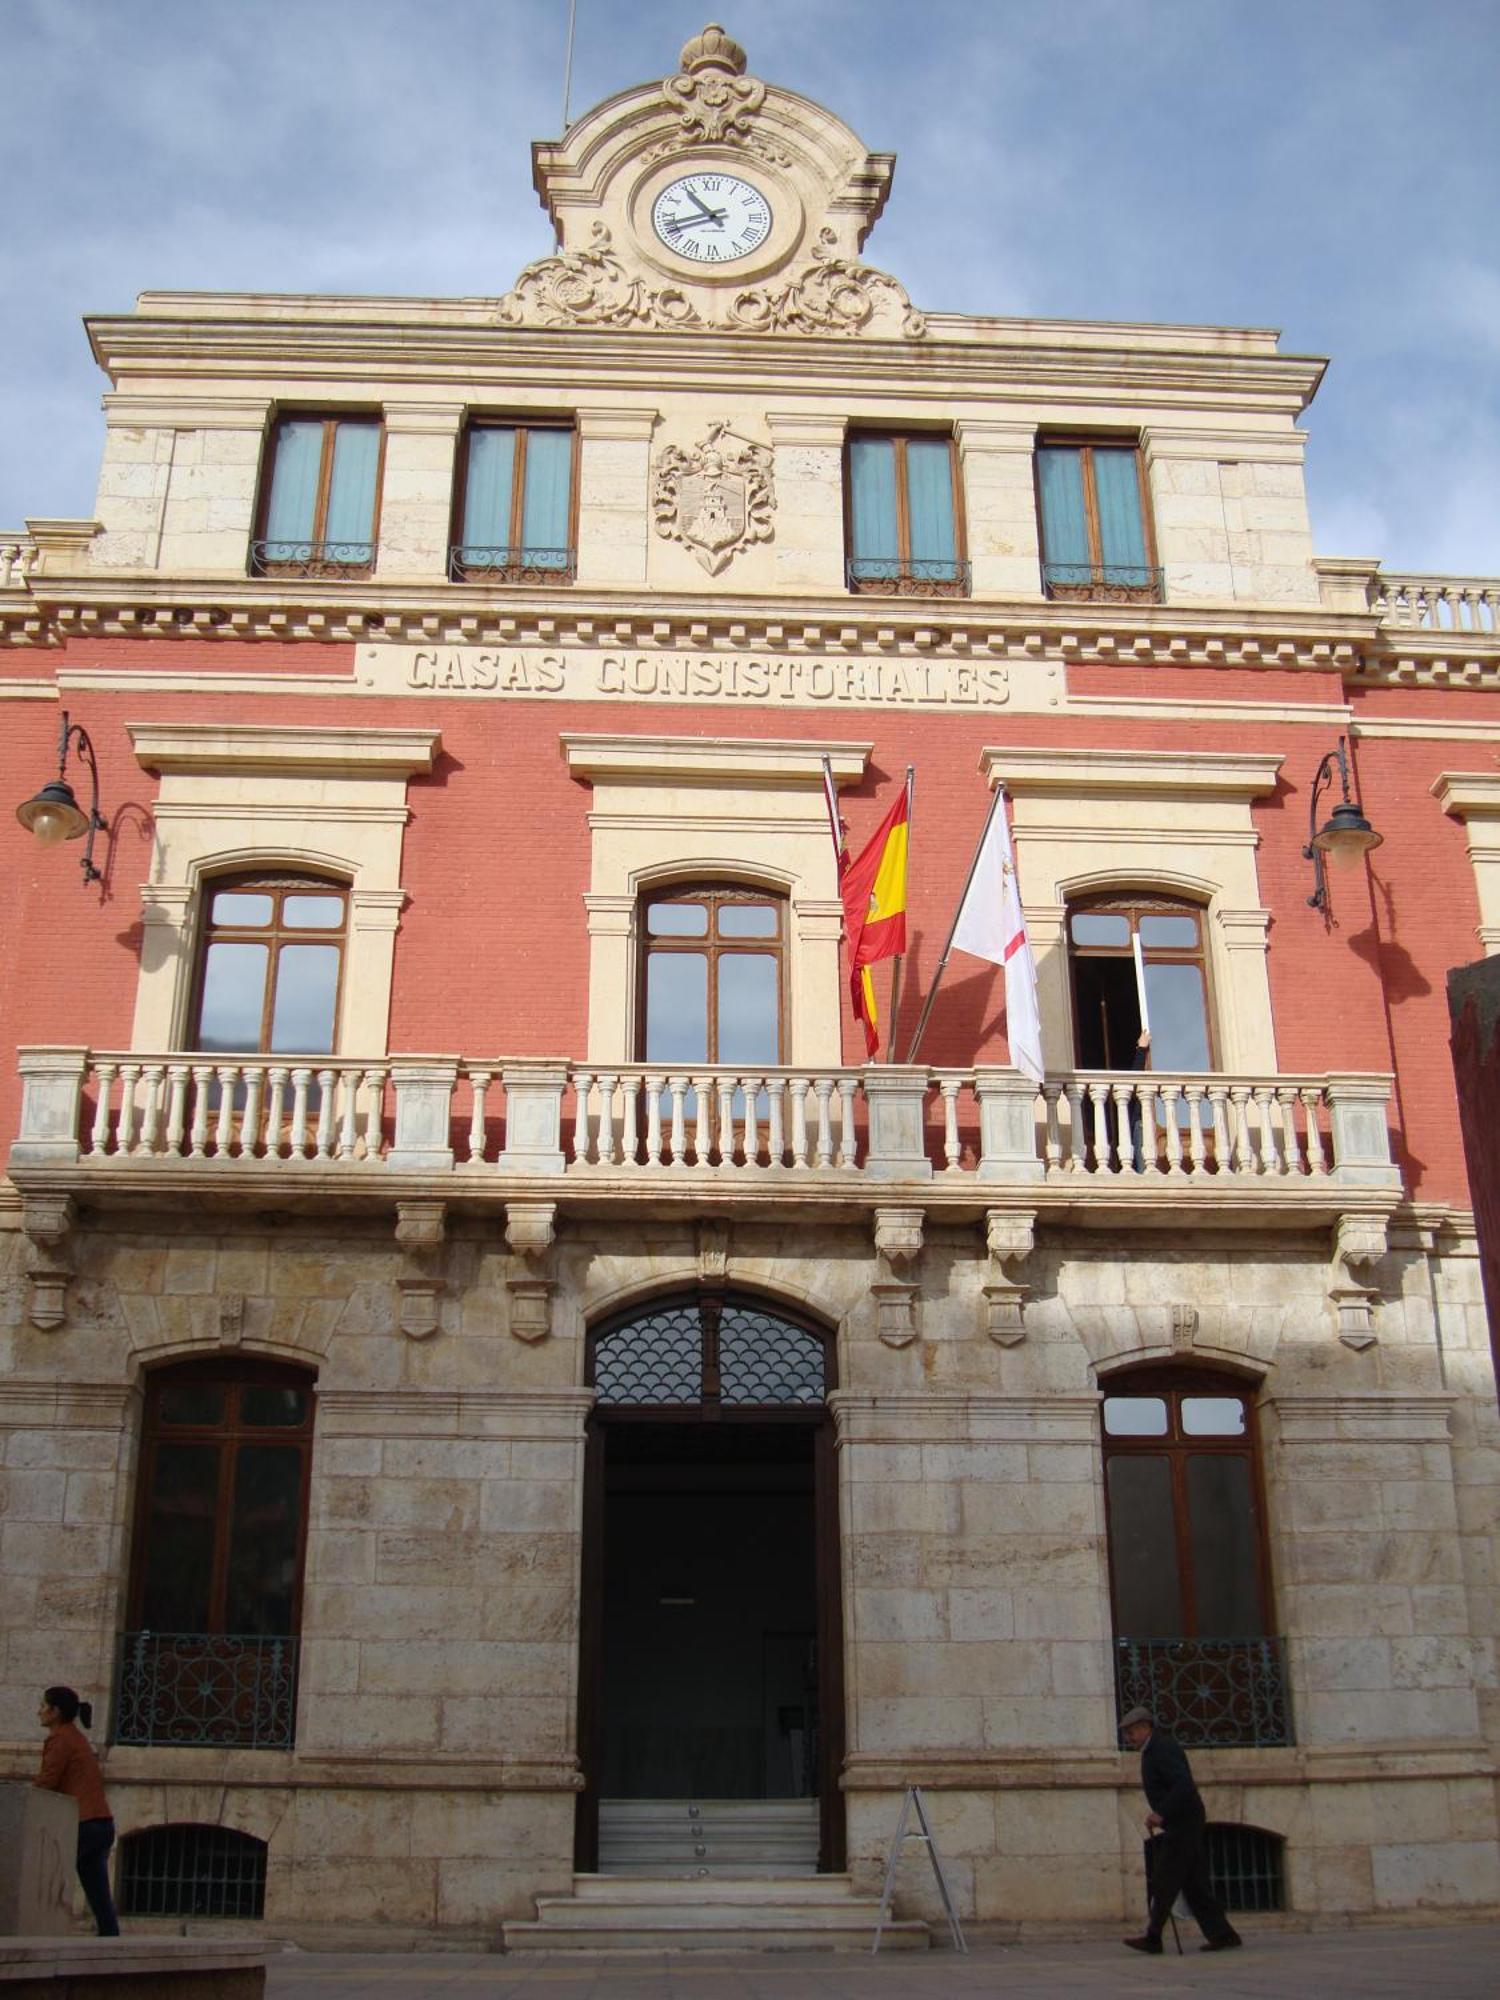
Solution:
(1330, 167)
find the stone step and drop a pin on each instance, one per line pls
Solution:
(782, 1890)
(644, 1937)
(808, 1913)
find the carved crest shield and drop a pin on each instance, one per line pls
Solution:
(715, 499)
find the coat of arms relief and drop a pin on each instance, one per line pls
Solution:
(715, 499)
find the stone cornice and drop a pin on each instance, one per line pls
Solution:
(218, 747)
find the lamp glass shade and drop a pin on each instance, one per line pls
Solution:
(54, 815)
(1347, 837)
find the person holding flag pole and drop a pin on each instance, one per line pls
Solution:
(873, 888)
(989, 924)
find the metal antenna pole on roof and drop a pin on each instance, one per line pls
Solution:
(568, 63)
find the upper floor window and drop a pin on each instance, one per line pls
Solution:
(1096, 535)
(904, 519)
(713, 962)
(1132, 952)
(270, 962)
(320, 497)
(515, 504)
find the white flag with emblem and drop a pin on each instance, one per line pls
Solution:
(990, 925)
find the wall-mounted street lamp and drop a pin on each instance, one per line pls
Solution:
(1347, 835)
(54, 815)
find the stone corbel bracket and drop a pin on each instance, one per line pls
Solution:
(1010, 1237)
(47, 1220)
(421, 1231)
(531, 1238)
(898, 1249)
(1357, 1240)
(712, 1239)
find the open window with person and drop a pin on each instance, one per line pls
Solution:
(320, 497)
(1128, 948)
(904, 516)
(1189, 1574)
(514, 513)
(712, 985)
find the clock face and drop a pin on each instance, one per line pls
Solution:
(711, 218)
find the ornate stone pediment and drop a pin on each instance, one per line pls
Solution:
(712, 200)
(717, 498)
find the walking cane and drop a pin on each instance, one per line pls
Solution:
(1153, 1848)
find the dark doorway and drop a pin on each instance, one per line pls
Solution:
(712, 1632)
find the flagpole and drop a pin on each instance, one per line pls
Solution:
(890, 1041)
(958, 910)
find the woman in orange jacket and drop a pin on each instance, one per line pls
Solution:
(69, 1765)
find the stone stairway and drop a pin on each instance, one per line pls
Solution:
(711, 1875)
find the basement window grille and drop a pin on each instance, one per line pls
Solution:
(192, 1871)
(1245, 1865)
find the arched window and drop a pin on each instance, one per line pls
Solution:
(1188, 1568)
(270, 964)
(1126, 945)
(713, 962)
(216, 1577)
(709, 1351)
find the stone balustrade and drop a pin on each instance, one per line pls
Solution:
(19, 556)
(1438, 603)
(112, 1113)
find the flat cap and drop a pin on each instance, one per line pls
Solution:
(1134, 1715)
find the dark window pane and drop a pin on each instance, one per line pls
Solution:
(1143, 1548)
(741, 920)
(1135, 1416)
(307, 978)
(273, 1407)
(263, 1539)
(1213, 1416)
(677, 920)
(1170, 933)
(677, 1007)
(1179, 1017)
(1090, 927)
(312, 913)
(1221, 1523)
(234, 996)
(233, 906)
(180, 1520)
(749, 1031)
(192, 1403)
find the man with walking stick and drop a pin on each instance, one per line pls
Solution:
(1177, 1816)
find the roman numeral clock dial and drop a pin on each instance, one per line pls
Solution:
(711, 218)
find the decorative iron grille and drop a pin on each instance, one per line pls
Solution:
(207, 1688)
(186, 1870)
(1103, 583)
(767, 1360)
(709, 1350)
(470, 563)
(1245, 1866)
(330, 559)
(884, 576)
(1208, 1691)
(655, 1359)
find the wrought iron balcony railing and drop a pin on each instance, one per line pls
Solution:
(223, 1689)
(1103, 583)
(311, 559)
(468, 562)
(884, 576)
(1207, 1692)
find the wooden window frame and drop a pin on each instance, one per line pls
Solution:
(519, 571)
(714, 894)
(1132, 904)
(1099, 589)
(277, 883)
(905, 583)
(227, 1437)
(1171, 1385)
(315, 564)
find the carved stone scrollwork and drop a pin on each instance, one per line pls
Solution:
(1184, 1328)
(715, 101)
(591, 288)
(1357, 1240)
(1010, 1237)
(831, 294)
(898, 1247)
(531, 1238)
(48, 1224)
(713, 1250)
(717, 498)
(421, 1232)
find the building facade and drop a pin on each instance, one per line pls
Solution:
(496, 1389)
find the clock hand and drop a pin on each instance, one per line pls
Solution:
(716, 214)
(677, 223)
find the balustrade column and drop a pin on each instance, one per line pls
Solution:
(255, 1083)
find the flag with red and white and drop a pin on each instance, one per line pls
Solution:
(991, 926)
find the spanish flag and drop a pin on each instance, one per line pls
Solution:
(873, 887)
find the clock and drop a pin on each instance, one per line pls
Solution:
(711, 218)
